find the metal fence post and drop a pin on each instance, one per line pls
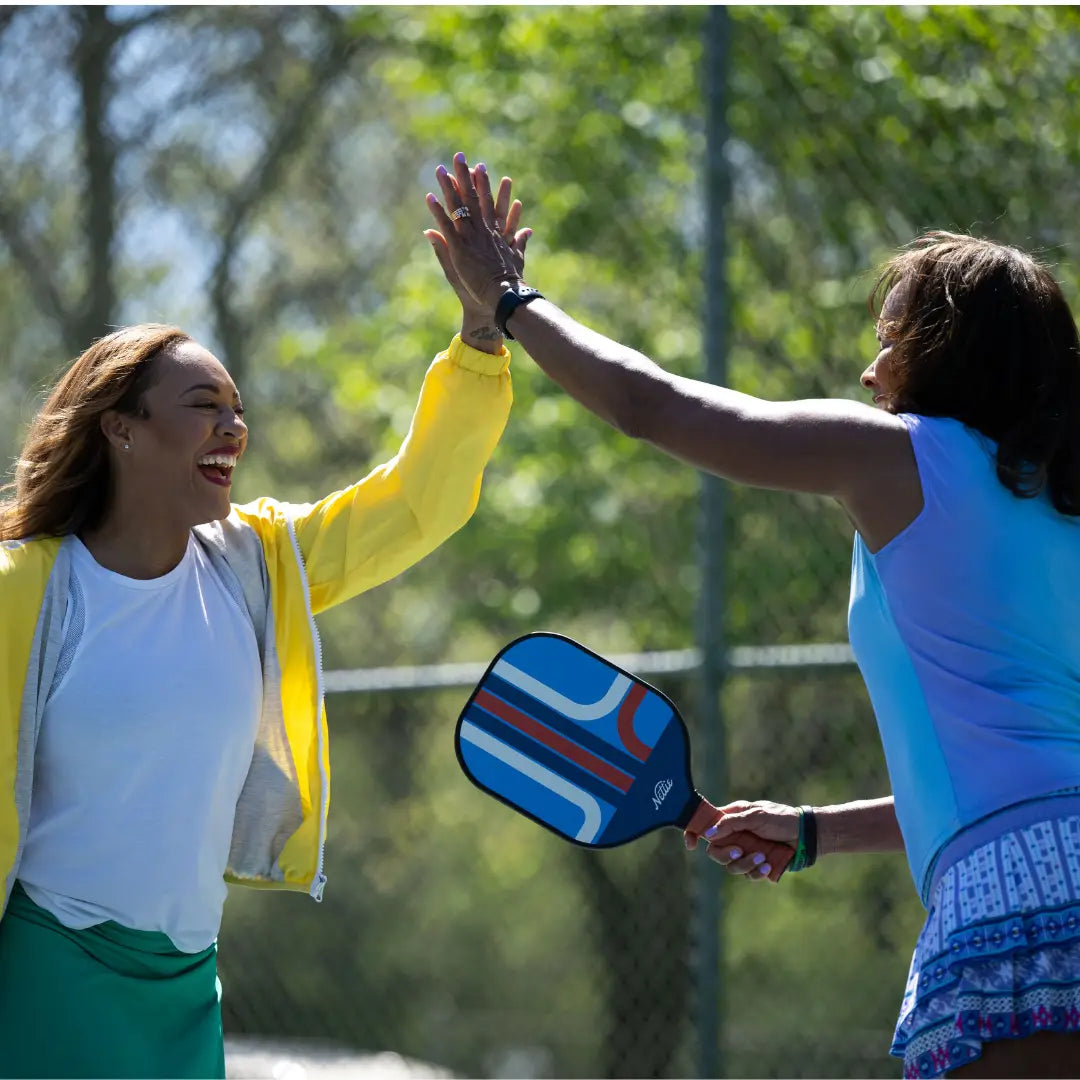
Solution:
(710, 766)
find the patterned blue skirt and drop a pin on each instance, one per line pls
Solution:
(999, 956)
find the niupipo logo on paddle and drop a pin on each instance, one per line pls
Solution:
(660, 792)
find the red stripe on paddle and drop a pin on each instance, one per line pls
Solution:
(542, 734)
(626, 723)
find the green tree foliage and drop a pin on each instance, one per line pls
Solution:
(838, 118)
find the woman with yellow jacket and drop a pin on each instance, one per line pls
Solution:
(162, 728)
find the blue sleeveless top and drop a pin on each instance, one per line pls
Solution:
(966, 627)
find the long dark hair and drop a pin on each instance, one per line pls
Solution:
(62, 479)
(986, 337)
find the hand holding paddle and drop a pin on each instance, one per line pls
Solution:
(586, 749)
(733, 843)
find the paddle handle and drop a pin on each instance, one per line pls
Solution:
(777, 855)
(690, 809)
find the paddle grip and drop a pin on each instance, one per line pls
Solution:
(689, 810)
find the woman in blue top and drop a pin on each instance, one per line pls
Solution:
(963, 484)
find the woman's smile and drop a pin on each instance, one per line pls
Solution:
(217, 466)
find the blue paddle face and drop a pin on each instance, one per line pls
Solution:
(575, 743)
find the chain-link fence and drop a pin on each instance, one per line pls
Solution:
(258, 174)
(566, 962)
(848, 132)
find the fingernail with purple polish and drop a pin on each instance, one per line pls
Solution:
(735, 853)
(765, 870)
(482, 168)
(710, 832)
(440, 171)
(758, 858)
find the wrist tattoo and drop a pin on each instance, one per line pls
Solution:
(485, 333)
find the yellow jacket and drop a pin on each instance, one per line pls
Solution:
(286, 563)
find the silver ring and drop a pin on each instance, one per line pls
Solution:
(459, 213)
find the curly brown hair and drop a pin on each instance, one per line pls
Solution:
(985, 336)
(62, 481)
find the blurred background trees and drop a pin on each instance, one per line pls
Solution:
(257, 175)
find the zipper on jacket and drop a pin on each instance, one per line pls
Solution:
(319, 881)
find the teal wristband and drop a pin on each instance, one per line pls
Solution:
(798, 860)
(806, 849)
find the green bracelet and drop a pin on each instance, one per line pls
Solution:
(798, 861)
(806, 847)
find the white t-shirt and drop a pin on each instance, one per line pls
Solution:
(144, 746)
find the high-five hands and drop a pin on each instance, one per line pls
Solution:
(478, 243)
(481, 251)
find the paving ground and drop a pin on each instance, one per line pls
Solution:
(267, 1059)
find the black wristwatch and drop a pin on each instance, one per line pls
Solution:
(516, 295)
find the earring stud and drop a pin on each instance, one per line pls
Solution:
(127, 446)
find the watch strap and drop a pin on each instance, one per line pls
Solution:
(513, 298)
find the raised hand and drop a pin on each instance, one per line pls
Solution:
(478, 242)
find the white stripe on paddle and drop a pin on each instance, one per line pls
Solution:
(545, 777)
(580, 712)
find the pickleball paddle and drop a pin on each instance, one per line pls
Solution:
(582, 747)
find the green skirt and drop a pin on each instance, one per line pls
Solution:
(105, 1001)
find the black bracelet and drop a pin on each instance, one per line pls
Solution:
(809, 832)
(514, 296)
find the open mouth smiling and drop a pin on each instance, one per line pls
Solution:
(218, 466)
